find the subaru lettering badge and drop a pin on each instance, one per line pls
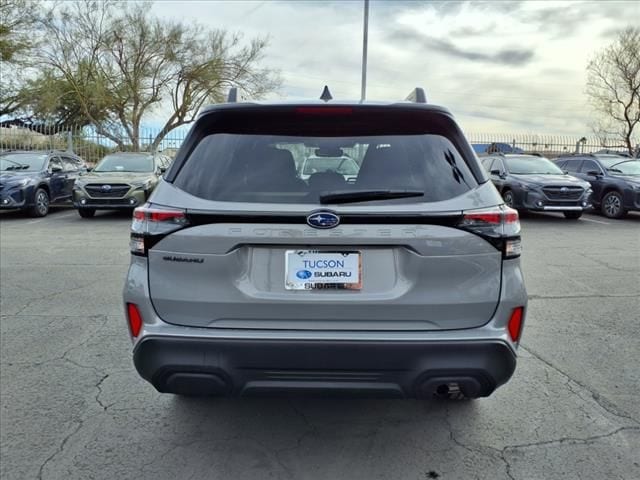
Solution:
(323, 220)
(106, 188)
(303, 274)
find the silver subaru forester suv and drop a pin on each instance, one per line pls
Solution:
(402, 280)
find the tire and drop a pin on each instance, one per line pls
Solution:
(572, 215)
(612, 206)
(41, 204)
(508, 198)
(86, 212)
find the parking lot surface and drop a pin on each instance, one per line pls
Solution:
(73, 407)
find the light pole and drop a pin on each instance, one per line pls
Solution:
(363, 91)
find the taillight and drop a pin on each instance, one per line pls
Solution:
(151, 223)
(515, 324)
(499, 225)
(135, 319)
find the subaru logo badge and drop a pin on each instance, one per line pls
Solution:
(564, 189)
(323, 220)
(106, 188)
(303, 274)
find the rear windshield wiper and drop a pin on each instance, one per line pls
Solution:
(348, 196)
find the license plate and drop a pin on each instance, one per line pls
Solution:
(314, 270)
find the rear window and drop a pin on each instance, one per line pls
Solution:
(275, 158)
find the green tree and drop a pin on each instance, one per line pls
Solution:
(121, 64)
(18, 37)
(613, 86)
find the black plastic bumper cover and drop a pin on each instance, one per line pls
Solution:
(195, 366)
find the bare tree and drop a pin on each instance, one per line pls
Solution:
(613, 85)
(123, 65)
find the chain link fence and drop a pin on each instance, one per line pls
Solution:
(91, 146)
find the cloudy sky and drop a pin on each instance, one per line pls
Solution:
(499, 66)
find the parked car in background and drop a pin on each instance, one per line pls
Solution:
(119, 181)
(34, 180)
(245, 279)
(533, 182)
(615, 180)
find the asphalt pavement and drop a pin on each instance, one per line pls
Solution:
(73, 407)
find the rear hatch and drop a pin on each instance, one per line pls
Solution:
(236, 239)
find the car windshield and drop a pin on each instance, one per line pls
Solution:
(530, 165)
(125, 163)
(22, 162)
(626, 168)
(341, 165)
(609, 161)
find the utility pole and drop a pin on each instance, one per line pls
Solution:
(363, 94)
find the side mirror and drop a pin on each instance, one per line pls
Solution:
(495, 172)
(566, 172)
(594, 173)
(89, 169)
(162, 169)
(55, 169)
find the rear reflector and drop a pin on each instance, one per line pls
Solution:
(515, 324)
(135, 319)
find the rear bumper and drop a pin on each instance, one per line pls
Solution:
(243, 367)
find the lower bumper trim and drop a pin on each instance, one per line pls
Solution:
(205, 366)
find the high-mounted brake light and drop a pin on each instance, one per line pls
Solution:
(135, 319)
(324, 110)
(151, 224)
(515, 324)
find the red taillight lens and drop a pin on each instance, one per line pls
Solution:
(135, 319)
(154, 214)
(499, 225)
(488, 218)
(151, 224)
(515, 324)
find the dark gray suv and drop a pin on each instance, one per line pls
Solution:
(246, 279)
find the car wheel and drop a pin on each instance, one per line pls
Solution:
(507, 196)
(41, 204)
(86, 212)
(612, 205)
(572, 215)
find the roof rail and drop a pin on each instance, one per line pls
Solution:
(233, 95)
(417, 95)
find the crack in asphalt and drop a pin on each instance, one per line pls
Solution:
(60, 448)
(595, 295)
(602, 401)
(99, 387)
(475, 449)
(54, 294)
(569, 440)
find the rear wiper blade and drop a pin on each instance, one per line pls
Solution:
(348, 196)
